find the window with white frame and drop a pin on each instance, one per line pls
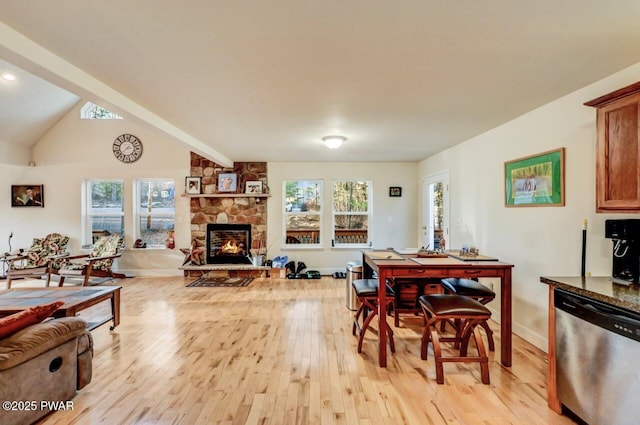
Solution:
(302, 213)
(91, 111)
(103, 209)
(154, 210)
(352, 216)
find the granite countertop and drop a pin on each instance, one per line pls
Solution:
(601, 289)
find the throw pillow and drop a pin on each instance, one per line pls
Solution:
(12, 324)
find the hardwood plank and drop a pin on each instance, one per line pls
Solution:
(281, 351)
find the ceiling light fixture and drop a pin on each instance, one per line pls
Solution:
(333, 142)
(8, 77)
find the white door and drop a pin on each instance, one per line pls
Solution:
(435, 220)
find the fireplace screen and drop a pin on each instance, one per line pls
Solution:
(228, 243)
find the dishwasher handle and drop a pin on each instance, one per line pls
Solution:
(611, 314)
(607, 316)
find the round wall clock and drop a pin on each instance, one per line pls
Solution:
(127, 148)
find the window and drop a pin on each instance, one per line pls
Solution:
(302, 212)
(155, 210)
(351, 213)
(104, 209)
(91, 111)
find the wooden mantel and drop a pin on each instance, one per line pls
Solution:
(228, 195)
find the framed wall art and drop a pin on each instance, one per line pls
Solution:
(227, 182)
(193, 185)
(535, 181)
(30, 195)
(395, 191)
(253, 186)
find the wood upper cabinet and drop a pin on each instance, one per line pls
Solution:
(618, 150)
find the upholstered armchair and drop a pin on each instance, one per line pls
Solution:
(45, 361)
(98, 262)
(41, 259)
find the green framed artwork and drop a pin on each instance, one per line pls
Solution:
(535, 181)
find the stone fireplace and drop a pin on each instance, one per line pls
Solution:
(228, 243)
(228, 209)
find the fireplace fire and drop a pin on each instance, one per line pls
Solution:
(228, 243)
(233, 248)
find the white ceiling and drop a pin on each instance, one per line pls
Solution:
(265, 80)
(29, 106)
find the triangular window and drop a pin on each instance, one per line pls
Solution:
(91, 111)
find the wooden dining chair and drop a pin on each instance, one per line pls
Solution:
(470, 314)
(476, 290)
(367, 292)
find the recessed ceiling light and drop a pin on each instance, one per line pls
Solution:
(9, 77)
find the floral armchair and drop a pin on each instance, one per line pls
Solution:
(45, 256)
(98, 262)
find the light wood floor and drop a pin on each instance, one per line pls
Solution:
(281, 352)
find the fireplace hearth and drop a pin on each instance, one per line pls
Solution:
(228, 243)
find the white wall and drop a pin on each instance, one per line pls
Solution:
(14, 154)
(77, 149)
(394, 219)
(540, 241)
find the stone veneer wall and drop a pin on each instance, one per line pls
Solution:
(237, 210)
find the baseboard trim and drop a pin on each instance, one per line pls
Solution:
(534, 338)
(153, 273)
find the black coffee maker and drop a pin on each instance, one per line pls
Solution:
(626, 249)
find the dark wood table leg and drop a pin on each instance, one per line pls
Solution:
(382, 318)
(115, 308)
(505, 317)
(382, 329)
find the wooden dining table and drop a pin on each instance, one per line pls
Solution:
(388, 264)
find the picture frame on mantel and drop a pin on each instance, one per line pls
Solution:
(253, 187)
(193, 185)
(227, 182)
(535, 180)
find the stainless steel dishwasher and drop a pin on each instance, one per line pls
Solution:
(597, 351)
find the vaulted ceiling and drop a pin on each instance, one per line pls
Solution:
(266, 80)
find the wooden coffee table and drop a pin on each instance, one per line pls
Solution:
(75, 300)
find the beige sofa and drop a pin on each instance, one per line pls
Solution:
(47, 361)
